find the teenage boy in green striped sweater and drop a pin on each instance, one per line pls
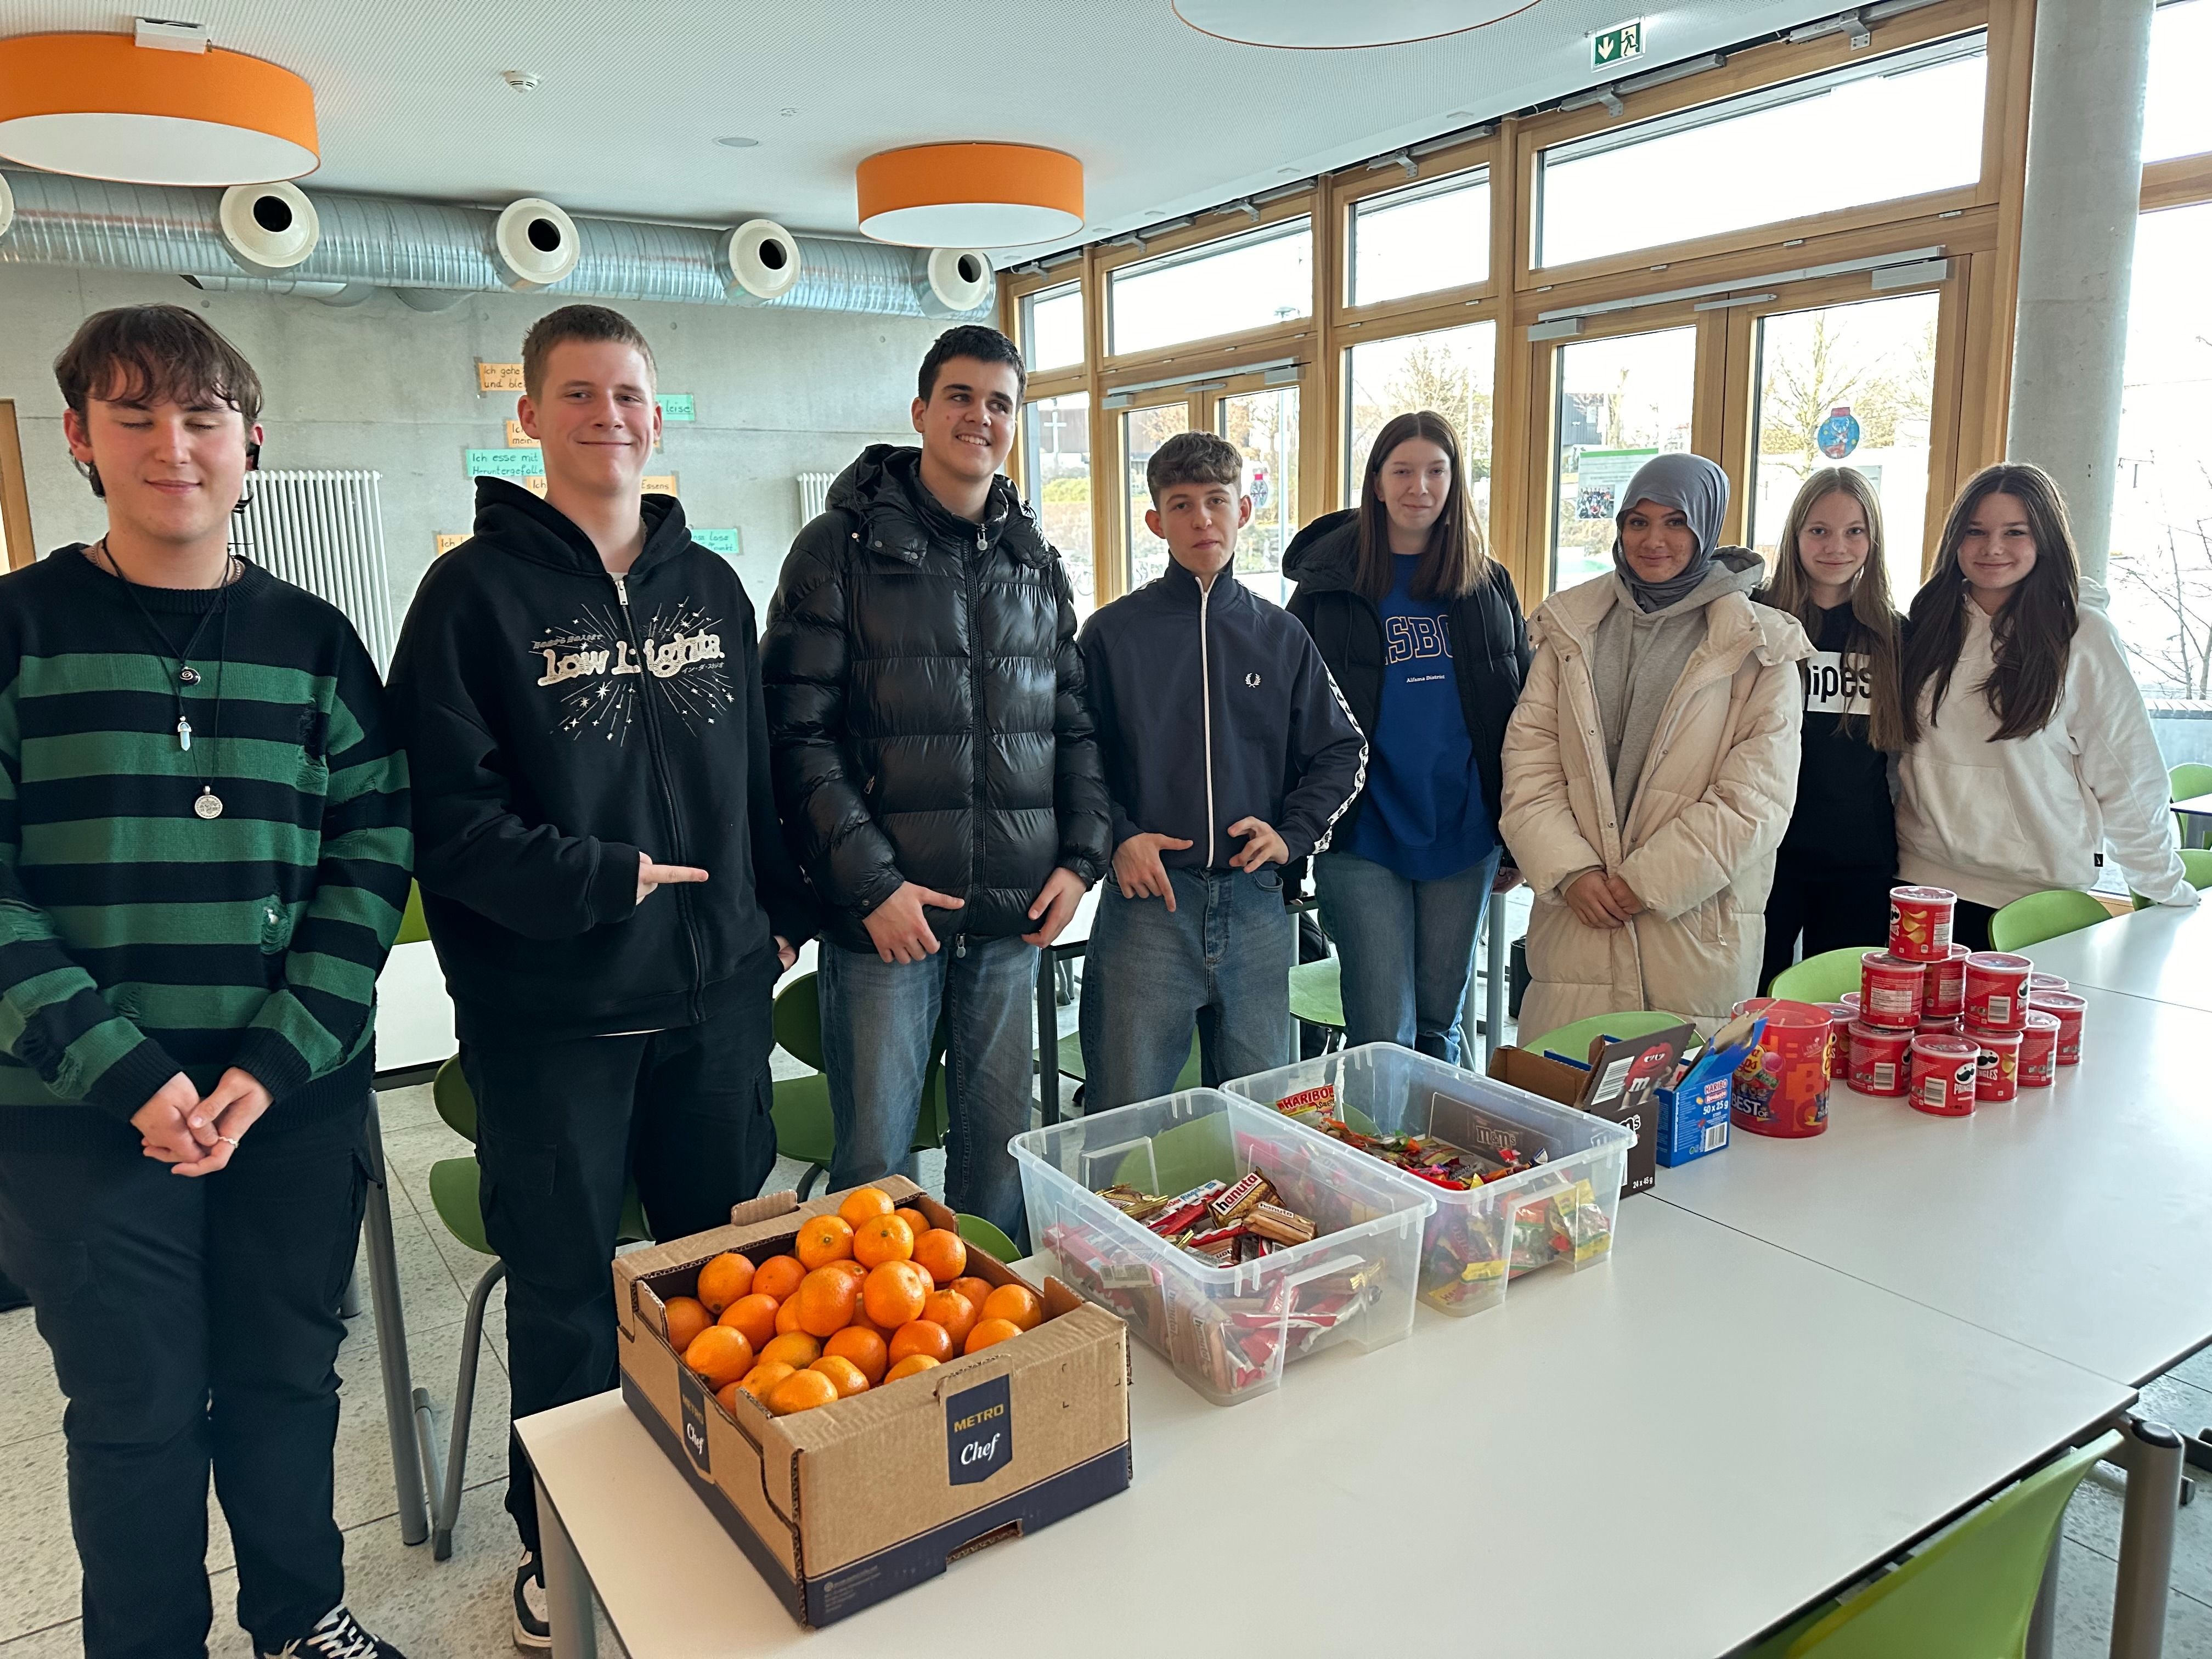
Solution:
(204, 853)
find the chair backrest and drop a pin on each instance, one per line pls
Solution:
(798, 1020)
(2196, 869)
(2045, 915)
(1822, 978)
(1575, 1040)
(986, 1236)
(455, 1100)
(414, 925)
(2189, 780)
(1969, 1594)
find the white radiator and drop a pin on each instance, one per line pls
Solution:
(323, 532)
(813, 495)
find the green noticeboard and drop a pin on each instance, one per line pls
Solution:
(724, 542)
(675, 406)
(505, 463)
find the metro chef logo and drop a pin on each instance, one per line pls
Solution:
(979, 1432)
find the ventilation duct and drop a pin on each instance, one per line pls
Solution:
(427, 246)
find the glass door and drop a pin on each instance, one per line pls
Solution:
(1621, 400)
(1143, 431)
(1263, 424)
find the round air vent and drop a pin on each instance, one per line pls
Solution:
(268, 228)
(536, 244)
(960, 280)
(764, 258)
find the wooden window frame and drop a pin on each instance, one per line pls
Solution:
(14, 492)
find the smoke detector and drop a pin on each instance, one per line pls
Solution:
(520, 79)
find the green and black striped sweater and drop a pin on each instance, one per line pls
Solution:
(138, 939)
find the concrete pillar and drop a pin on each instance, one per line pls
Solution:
(2077, 253)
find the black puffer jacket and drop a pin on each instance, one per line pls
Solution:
(925, 700)
(1489, 644)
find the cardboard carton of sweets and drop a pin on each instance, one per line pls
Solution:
(1619, 1083)
(844, 1505)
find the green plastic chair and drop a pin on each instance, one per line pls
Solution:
(1318, 996)
(1182, 1157)
(985, 1237)
(1969, 1594)
(1822, 978)
(1577, 1038)
(803, 1128)
(2186, 782)
(1071, 1064)
(2195, 865)
(2045, 915)
(414, 925)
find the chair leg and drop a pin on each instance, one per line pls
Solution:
(448, 1491)
(806, 1181)
(349, 1298)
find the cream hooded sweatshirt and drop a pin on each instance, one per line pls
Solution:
(1995, 822)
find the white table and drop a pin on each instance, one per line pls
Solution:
(1662, 1456)
(2163, 953)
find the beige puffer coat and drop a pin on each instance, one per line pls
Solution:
(1709, 810)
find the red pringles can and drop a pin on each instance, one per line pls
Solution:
(1944, 1069)
(1782, 1087)
(2068, 1006)
(1880, 1063)
(2039, 983)
(1996, 990)
(1997, 1067)
(1943, 994)
(2039, 1050)
(1951, 1027)
(1920, 922)
(1890, 990)
(1840, 1018)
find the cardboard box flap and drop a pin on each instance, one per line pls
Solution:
(766, 1207)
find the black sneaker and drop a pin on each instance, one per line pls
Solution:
(337, 1636)
(533, 1633)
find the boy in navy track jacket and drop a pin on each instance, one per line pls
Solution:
(1230, 753)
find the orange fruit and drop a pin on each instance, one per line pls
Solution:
(920, 1336)
(894, 1294)
(728, 1395)
(720, 1355)
(864, 1348)
(724, 1279)
(953, 1311)
(863, 1205)
(988, 1332)
(908, 1366)
(787, 1315)
(862, 1323)
(792, 1348)
(802, 1391)
(845, 1264)
(825, 1301)
(884, 1238)
(848, 1378)
(912, 1218)
(686, 1319)
(763, 1377)
(1016, 1303)
(942, 1254)
(977, 1291)
(754, 1314)
(778, 1276)
(824, 1238)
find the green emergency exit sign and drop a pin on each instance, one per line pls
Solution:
(1617, 44)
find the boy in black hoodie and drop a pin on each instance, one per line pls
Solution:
(579, 687)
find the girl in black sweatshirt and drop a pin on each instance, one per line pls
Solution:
(1838, 858)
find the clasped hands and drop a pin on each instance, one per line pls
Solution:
(1600, 900)
(196, 1135)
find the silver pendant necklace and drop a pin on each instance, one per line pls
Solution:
(207, 804)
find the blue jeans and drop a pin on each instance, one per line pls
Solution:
(1406, 949)
(1222, 960)
(878, 1018)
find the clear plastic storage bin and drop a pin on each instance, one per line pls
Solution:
(1226, 1330)
(1477, 1241)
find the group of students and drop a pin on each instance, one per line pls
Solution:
(627, 808)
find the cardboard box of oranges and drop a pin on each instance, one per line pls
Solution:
(860, 1398)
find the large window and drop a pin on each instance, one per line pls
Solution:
(1052, 327)
(1894, 126)
(1848, 386)
(1262, 277)
(1449, 371)
(1264, 425)
(1421, 239)
(2177, 115)
(1143, 431)
(1621, 402)
(1056, 456)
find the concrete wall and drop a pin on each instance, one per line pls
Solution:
(379, 386)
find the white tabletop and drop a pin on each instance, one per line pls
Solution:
(2163, 953)
(1660, 1456)
(2076, 1220)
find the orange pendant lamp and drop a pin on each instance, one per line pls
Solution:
(103, 107)
(971, 195)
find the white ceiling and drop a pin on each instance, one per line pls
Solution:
(630, 97)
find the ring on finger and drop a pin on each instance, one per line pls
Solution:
(228, 1140)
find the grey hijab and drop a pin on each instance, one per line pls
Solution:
(1698, 487)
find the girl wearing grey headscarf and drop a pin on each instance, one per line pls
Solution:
(1652, 767)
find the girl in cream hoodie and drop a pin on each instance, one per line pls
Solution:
(2029, 752)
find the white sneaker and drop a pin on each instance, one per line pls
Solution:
(337, 1636)
(533, 1630)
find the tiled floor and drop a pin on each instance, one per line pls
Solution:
(458, 1609)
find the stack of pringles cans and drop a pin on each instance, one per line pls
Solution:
(1945, 1027)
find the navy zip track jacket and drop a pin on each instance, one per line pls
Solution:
(1213, 706)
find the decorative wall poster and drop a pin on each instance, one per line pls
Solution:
(517, 438)
(1599, 477)
(724, 542)
(450, 539)
(503, 463)
(498, 377)
(1840, 434)
(675, 405)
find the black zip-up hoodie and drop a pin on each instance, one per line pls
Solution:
(558, 721)
(1213, 706)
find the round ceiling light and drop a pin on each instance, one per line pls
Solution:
(1330, 25)
(103, 107)
(971, 195)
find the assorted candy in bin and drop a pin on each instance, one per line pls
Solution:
(1220, 1222)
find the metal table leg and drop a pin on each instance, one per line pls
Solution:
(567, 1587)
(2152, 1455)
(1047, 1035)
(1493, 1023)
(392, 1343)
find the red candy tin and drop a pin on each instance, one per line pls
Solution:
(2039, 1050)
(1889, 990)
(1879, 1059)
(1781, 1089)
(1943, 1072)
(2069, 1006)
(1997, 1070)
(1920, 922)
(1943, 995)
(1996, 990)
